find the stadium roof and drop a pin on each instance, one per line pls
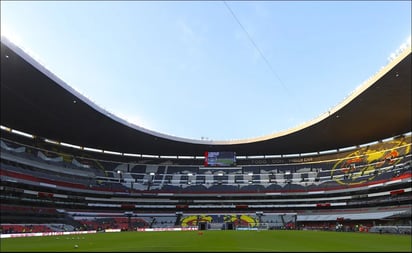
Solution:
(35, 101)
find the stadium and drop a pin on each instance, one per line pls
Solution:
(70, 169)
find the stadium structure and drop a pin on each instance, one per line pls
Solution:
(70, 165)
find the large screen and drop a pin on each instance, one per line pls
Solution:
(220, 159)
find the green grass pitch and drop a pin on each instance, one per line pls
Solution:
(213, 241)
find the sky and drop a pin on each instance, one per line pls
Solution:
(211, 70)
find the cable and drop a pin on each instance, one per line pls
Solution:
(255, 45)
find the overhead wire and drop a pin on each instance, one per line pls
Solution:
(297, 102)
(255, 45)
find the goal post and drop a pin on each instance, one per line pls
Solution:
(262, 226)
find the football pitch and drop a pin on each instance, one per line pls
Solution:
(213, 241)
